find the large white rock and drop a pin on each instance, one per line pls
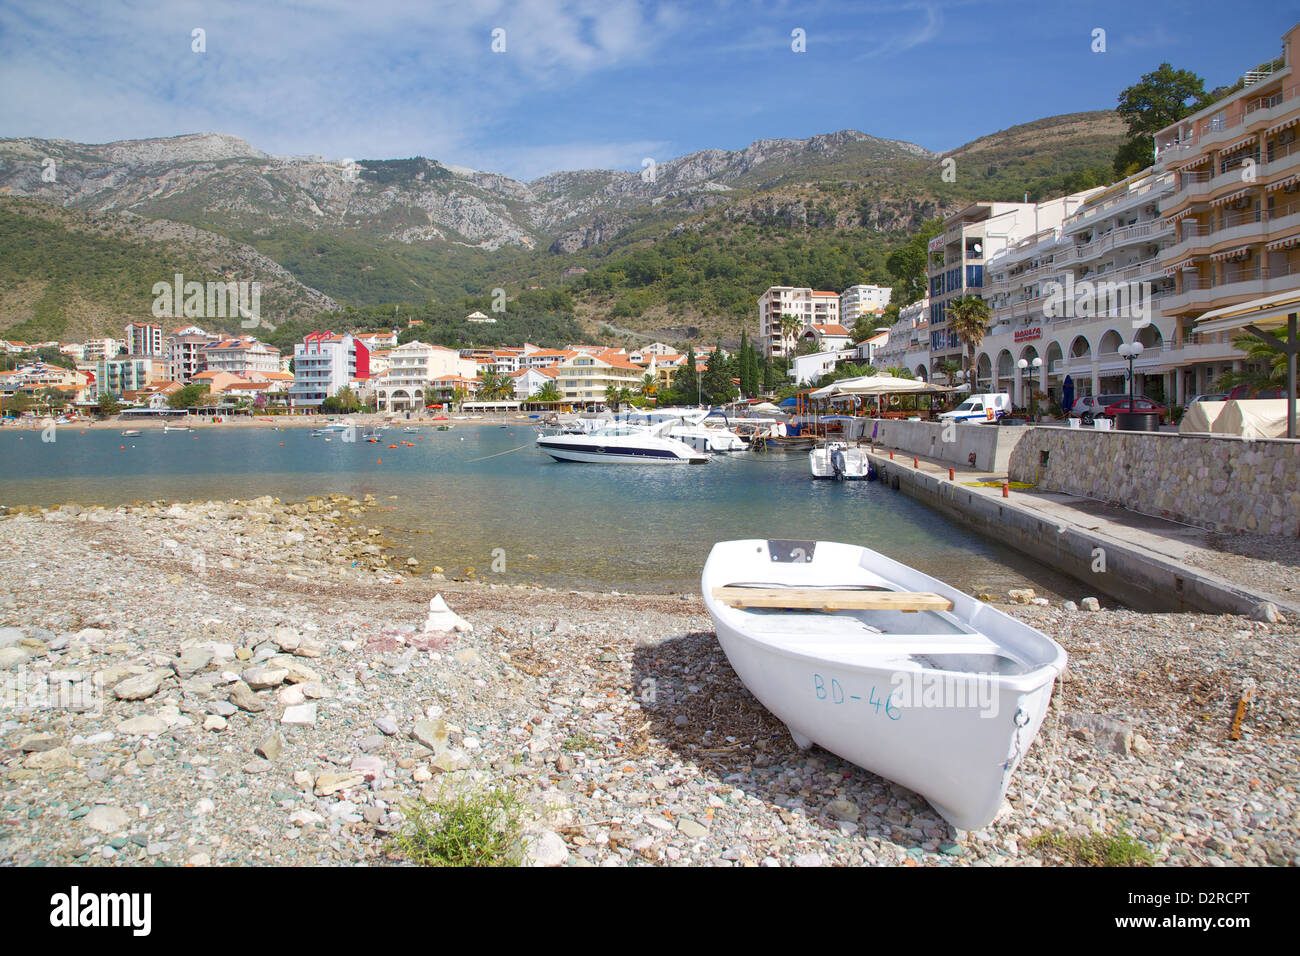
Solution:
(106, 819)
(300, 715)
(12, 657)
(545, 849)
(443, 619)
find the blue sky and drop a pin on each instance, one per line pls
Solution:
(592, 83)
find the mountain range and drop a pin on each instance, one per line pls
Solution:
(89, 226)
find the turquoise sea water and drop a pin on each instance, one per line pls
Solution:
(624, 527)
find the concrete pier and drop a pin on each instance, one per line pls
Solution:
(1133, 558)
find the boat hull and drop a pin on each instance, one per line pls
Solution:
(856, 465)
(955, 738)
(593, 455)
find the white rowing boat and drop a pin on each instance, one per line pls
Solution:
(885, 666)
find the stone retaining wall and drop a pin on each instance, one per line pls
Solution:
(991, 444)
(1225, 484)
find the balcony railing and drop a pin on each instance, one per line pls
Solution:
(1215, 125)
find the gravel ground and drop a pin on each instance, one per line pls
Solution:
(1265, 562)
(246, 683)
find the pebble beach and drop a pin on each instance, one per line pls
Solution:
(252, 682)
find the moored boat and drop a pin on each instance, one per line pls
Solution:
(131, 433)
(838, 461)
(885, 666)
(621, 444)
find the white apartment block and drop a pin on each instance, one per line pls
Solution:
(1104, 260)
(144, 339)
(530, 381)
(809, 306)
(241, 356)
(807, 369)
(323, 364)
(413, 369)
(96, 350)
(908, 345)
(859, 300)
(969, 239)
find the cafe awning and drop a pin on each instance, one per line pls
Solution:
(878, 385)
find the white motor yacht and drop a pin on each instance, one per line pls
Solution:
(689, 426)
(622, 444)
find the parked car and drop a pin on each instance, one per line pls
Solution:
(1244, 392)
(1090, 407)
(1139, 404)
(988, 407)
(1213, 397)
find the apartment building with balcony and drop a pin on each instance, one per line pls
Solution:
(1070, 295)
(908, 344)
(126, 374)
(859, 300)
(324, 363)
(809, 306)
(412, 370)
(144, 339)
(96, 350)
(183, 352)
(958, 256)
(583, 378)
(1235, 209)
(240, 356)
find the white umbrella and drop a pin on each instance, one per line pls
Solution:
(877, 385)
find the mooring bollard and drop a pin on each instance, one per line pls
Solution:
(1006, 489)
(916, 462)
(952, 473)
(891, 454)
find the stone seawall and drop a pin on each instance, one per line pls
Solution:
(1224, 484)
(990, 444)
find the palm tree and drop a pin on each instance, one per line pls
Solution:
(493, 386)
(648, 386)
(791, 326)
(949, 369)
(612, 397)
(969, 318)
(1267, 368)
(547, 393)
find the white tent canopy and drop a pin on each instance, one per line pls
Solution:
(1257, 317)
(876, 385)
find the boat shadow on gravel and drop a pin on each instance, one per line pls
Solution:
(698, 709)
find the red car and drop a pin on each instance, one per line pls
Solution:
(1140, 404)
(1244, 392)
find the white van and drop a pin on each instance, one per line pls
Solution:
(988, 407)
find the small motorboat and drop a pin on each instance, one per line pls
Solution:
(838, 461)
(177, 428)
(885, 666)
(131, 433)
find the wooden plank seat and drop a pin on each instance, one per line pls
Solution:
(830, 599)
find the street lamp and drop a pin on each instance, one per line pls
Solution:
(1023, 364)
(1130, 351)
